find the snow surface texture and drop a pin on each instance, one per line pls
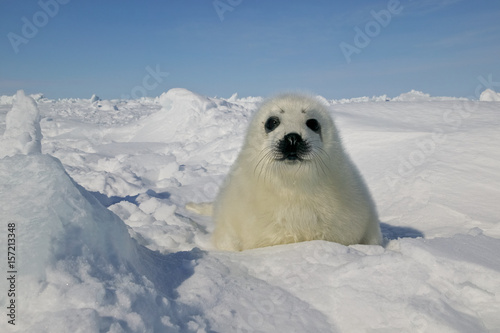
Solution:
(145, 264)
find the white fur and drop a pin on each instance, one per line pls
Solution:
(267, 202)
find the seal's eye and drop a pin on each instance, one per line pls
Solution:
(313, 124)
(271, 124)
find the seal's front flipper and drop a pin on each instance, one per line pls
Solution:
(204, 208)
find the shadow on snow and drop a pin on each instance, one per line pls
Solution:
(394, 232)
(109, 201)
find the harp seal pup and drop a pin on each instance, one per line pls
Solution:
(293, 182)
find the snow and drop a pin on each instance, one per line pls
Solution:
(489, 96)
(22, 134)
(72, 254)
(94, 99)
(105, 244)
(418, 96)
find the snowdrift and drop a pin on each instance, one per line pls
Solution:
(489, 96)
(103, 243)
(183, 111)
(78, 268)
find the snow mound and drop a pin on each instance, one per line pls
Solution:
(418, 96)
(233, 98)
(489, 96)
(188, 117)
(79, 270)
(38, 97)
(58, 218)
(412, 96)
(382, 98)
(184, 99)
(94, 98)
(181, 111)
(22, 134)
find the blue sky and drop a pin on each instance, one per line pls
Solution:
(261, 47)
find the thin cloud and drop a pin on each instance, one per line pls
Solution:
(464, 38)
(424, 7)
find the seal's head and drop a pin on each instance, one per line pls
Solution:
(290, 133)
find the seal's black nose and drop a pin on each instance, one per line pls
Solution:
(292, 139)
(292, 147)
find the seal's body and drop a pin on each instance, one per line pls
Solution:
(293, 182)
